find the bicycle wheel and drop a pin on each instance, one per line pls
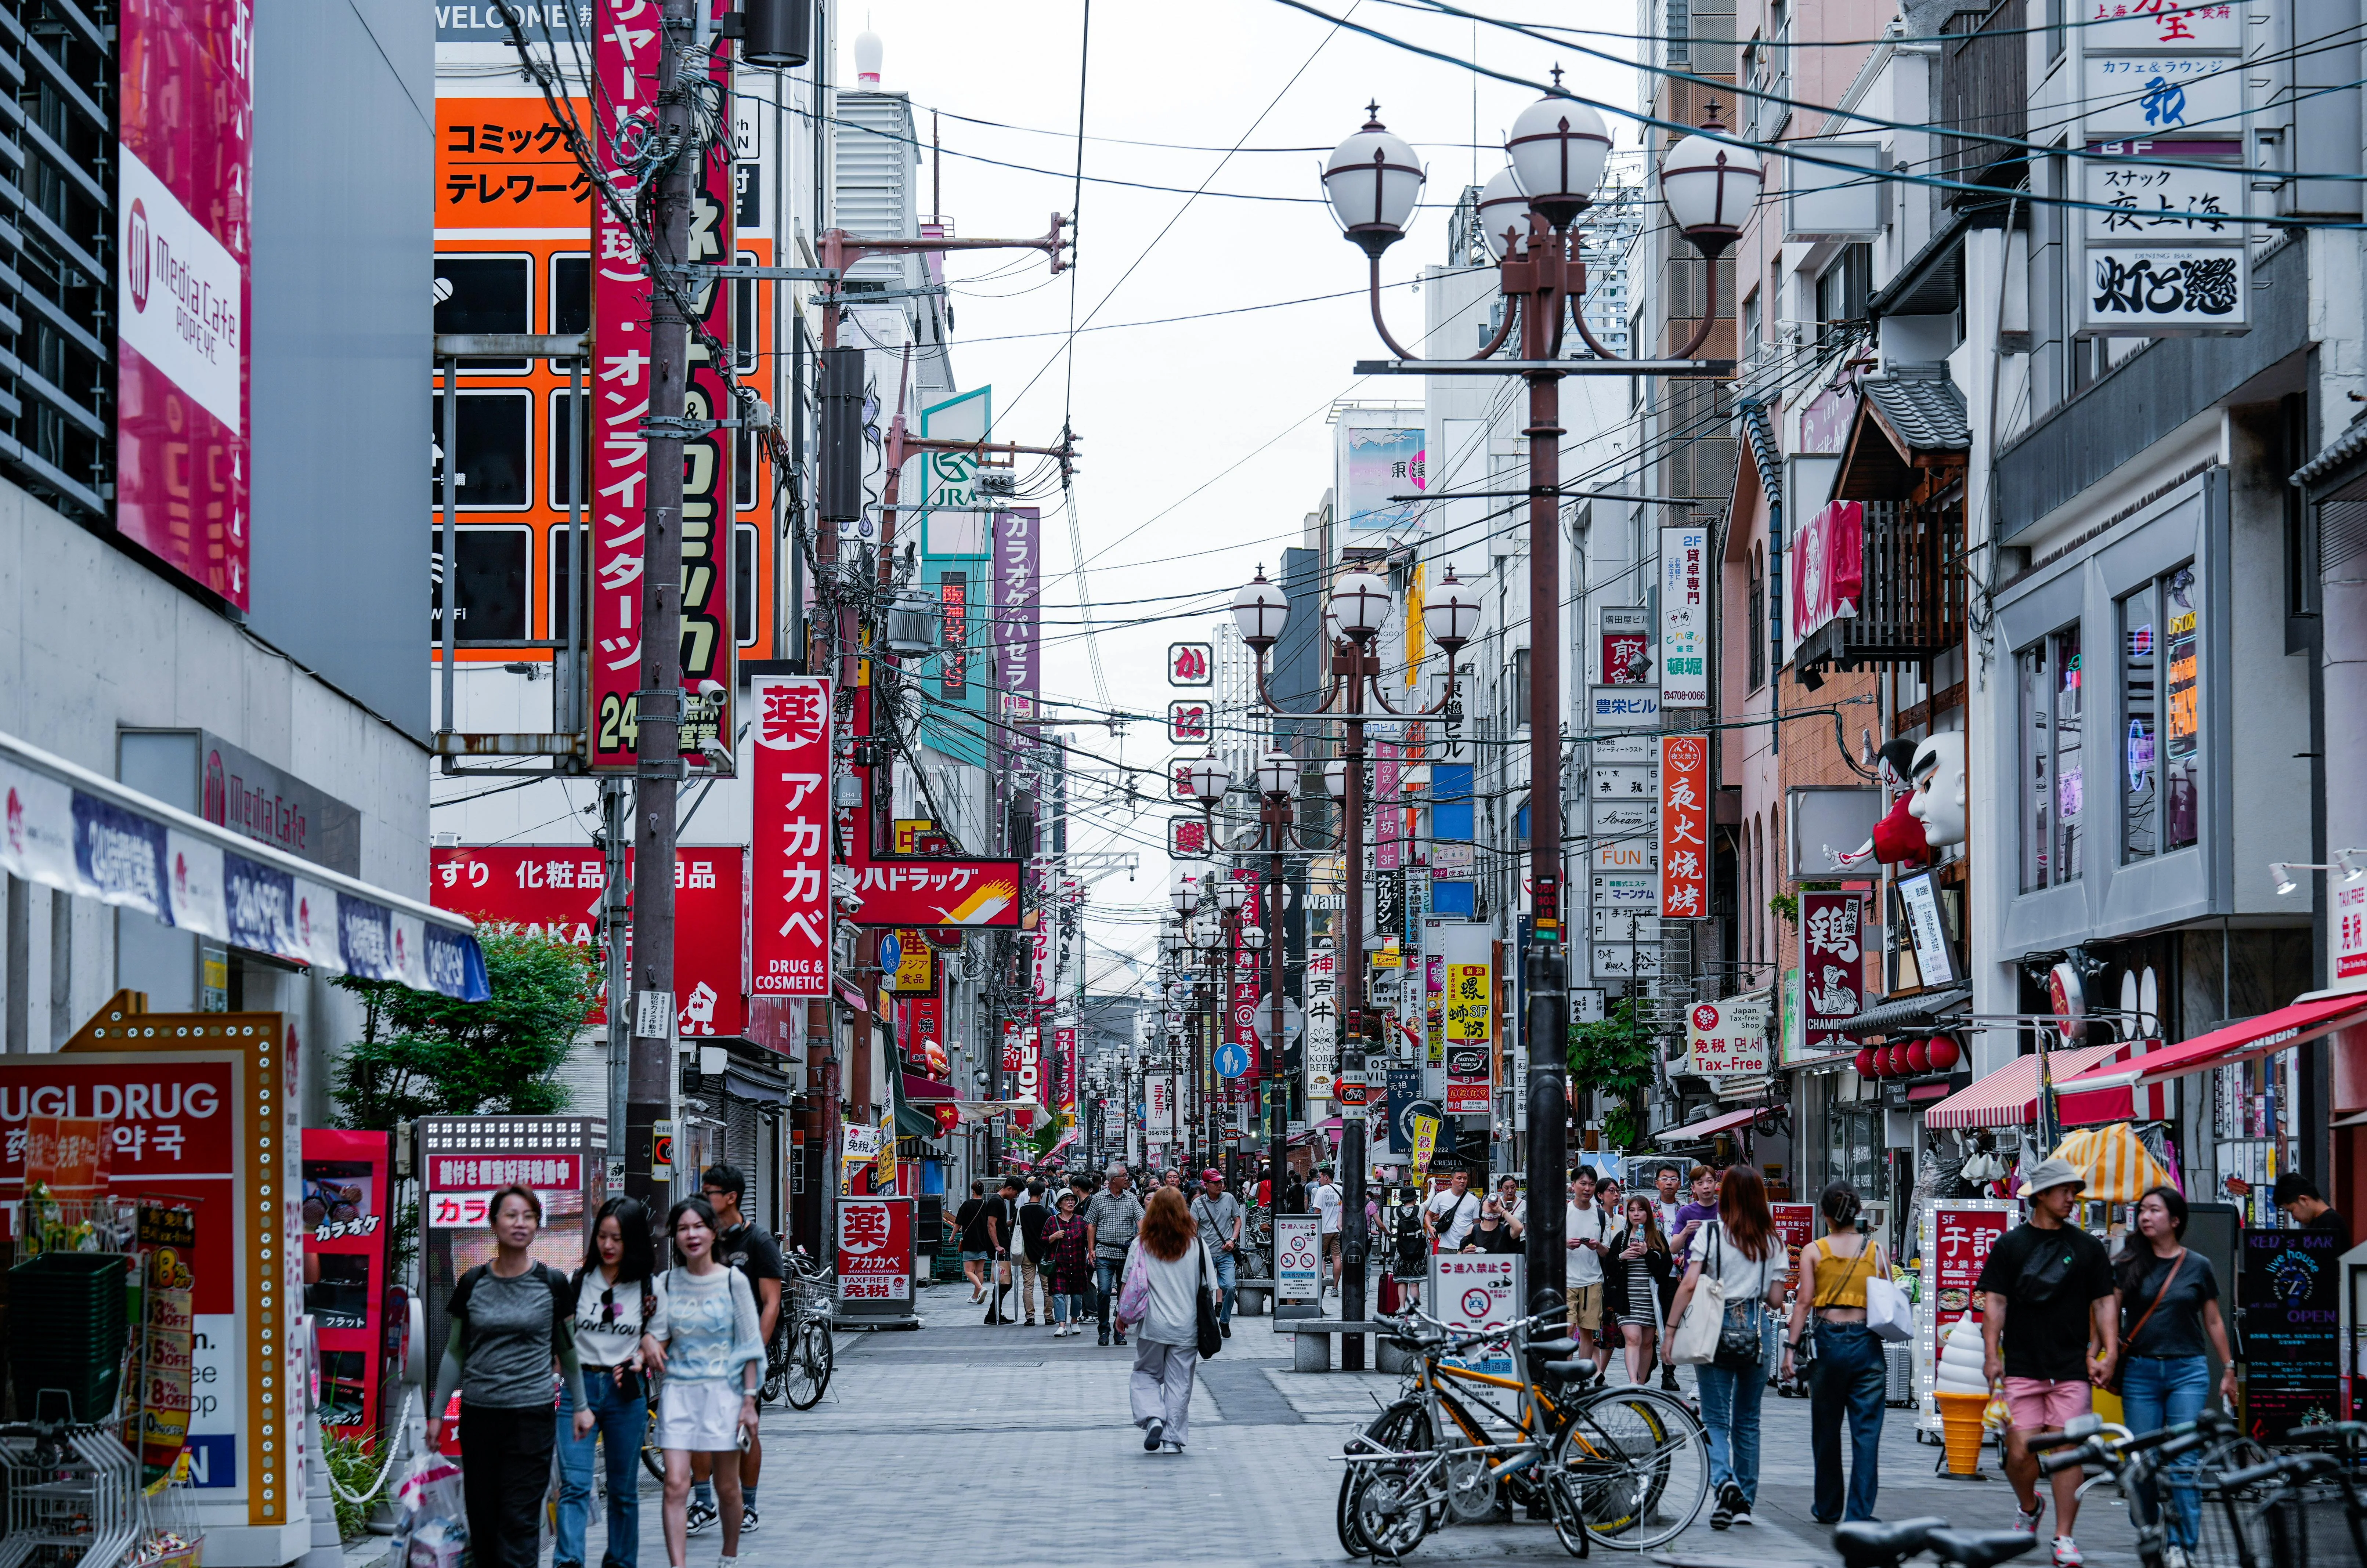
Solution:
(1638, 1462)
(653, 1456)
(1403, 1425)
(776, 1360)
(1389, 1507)
(806, 1372)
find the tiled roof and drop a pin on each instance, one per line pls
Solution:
(1922, 405)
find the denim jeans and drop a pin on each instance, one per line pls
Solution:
(1109, 1279)
(1729, 1407)
(1066, 1305)
(2161, 1390)
(1848, 1377)
(620, 1420)
(1228, 1277)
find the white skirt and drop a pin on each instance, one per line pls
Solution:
(701, 1417)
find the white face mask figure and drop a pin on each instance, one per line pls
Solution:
(1940, 799)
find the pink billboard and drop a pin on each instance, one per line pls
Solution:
(1827, 567)
(186, 173)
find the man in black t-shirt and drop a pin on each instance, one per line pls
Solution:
(1027, 1256)
(998, 1219)
(751, 1249)
(2297, 1195)
(969, 1223)
(2049, 1323)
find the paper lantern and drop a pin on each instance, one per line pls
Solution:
(1893, 1061)
(1946, 1053)
(1864, 1062)
(1918, 1057)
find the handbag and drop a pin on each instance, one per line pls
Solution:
(1211, 1335)
(2120, 1351)
(1696, 1341)
(1888, 1313)
(1742, 1331)
(1134, 1296)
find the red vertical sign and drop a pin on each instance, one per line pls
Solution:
(1832, 968)
(625, 65)
(790, 914)
(1242, 1024)
(1684, 826)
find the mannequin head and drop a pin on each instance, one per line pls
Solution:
(1939, 798)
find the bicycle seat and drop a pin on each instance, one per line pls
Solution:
(1870, 1544)
(1562, 1347)
(1979, 1549)
(1577, 1367)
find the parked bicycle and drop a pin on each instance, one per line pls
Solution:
(798, 1357)
(1872, 1544)
(1627, 1467)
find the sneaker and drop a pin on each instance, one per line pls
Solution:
(1226, 1329)
(1742, 1512)
(1668, 1380)
(2175, 1557)
(2027, 1522)
(1722, 1516)
(2067, 1552)
(1152, 1435)
(1170, 1448)
(1121, 1339)
(698, 1516)
(748, 1519)
(1104, 1339)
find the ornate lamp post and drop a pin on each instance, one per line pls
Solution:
(1277, 776)
(1557, 149)
(1359, 604)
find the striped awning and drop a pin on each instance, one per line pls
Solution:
(2226, 1046)
(2009, 1097)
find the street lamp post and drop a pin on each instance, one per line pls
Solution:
(1277, 782)
(1557, 149)
(1359, 606)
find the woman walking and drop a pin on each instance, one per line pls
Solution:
(1173, 1267)
(1068, 1267)
(1640, 1275)
(1740, 1250)
(510, 1325)
(713, 1356)
(618, 1327)
(2171, 1324)
(1848, 1376)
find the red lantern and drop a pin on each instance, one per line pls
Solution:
(1918, 1057)
(1946, 1053)
(1866, 1063)
(1893, 1061)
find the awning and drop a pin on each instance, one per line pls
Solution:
(853, 998)
(71, 830)
(1692, 1132)
(926, 1088)
(2009, 1097)
(1922, 1010)
(753, 1086)
(2226, 1046)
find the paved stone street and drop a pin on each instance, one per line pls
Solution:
(1005, 1447)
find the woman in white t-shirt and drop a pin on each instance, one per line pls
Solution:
(1751, 1264)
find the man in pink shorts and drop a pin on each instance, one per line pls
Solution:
(2048, 1328)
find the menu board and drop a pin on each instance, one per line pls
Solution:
(2288, 1298)
(348, 1233)
(1796, 1223)
(1955, 1243)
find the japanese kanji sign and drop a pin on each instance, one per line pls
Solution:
(924, 890)
(1191, 664)
(1241, 1017)
(874, 1249)
(1684, 617)
(1018, 612)
(1832, 965)
(790, 914)
(1188, 723)
(625, 65)
(1684, 826)
(1728, 1038)
(1321, 1005)
(1187, 837)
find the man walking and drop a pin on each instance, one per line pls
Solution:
(1586, 1228)
(1028, 1256)
(1329, 1208)
(1666, 1202)
(2049, 1330)
(747, 1248)
(1219, 1214)
(1448, 1217)
(1110, 1224)
(1001, 1211)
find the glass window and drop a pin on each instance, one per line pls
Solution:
(2160, 663)
(2181, 747)
(2140, 699)
(2053, 782)
(1854, 1133)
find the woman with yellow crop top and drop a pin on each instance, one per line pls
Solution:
(1846, 1377)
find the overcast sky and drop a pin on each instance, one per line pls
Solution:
(1204, 442)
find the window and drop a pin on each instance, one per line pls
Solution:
(1757, 635)
(2160, 661)
(490, 429)
(485, 294)
(1842, 287)
(1517, 690)
(744, 318)
(562, 580)
(1860, 1154)
(2052, 781)
(570, 301)
(491, 595)
(1751, 327)
(744, 584)
(1680, 26)
(563, 433)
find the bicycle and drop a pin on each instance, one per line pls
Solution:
(800, 1358)
(1625, 1467)
(2134, 1464)
(1869, 1544)
(2275, 1512)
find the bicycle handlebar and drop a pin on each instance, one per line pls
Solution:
(2346, 1431)
(2046, 1440)
(2088, 1449)
(2296, 1465)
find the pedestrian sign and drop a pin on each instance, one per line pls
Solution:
(1232, 1059)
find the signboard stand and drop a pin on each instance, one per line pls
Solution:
(1473, 1290)
(1957, 1236)
(875, 1264)
(1297, 1266)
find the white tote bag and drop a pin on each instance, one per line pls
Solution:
(1888, 1311)
(1694, 1342)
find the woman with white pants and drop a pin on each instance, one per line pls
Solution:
(1166, 1268)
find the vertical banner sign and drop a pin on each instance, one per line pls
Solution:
(1239, 1059)
(625, 65)
(1956, 1240)
(1387, 852)
(874, 1249)
(790, 913)
(2350, 930)
(1434, 968)
(1159, 1104)
(1064, 1068)
(952, 647)
(1796, 1223)
(1684, 617)
(1684, 826)
(186, 171)
(1833, 969)
(1322, 1007)
(1018, 543)
(1470, 1007)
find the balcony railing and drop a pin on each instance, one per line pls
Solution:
(1911, 608)
(1983, 87)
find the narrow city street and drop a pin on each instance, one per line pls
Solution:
(1004, 1448)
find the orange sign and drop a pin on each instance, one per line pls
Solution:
(504, 164)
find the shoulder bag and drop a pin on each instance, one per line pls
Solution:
(1742, 1331)
(1211, 1337)
(2120, 1351)
(1888, 1313)
(1694, 1341)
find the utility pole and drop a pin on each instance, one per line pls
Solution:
(658, 705)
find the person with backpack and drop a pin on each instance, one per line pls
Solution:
(1027, 1257)
(1739, 1251)
(1219, 1214)
(618, 1328)
(1849, 1375)
(512, 1320)
(714, 1354)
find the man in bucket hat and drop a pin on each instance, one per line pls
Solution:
(2048, 1328)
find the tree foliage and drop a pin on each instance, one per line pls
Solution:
(425, 1054)
(1614, 1059)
